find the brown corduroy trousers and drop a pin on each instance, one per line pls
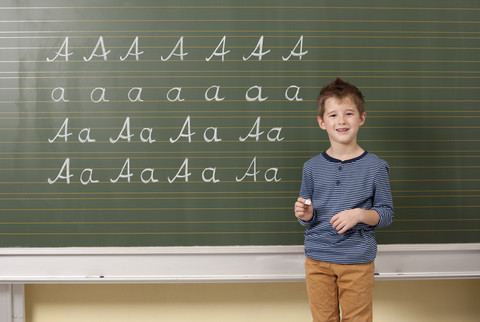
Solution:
(334, 286)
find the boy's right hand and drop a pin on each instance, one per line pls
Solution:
(303, 211)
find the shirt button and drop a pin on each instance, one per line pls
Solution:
(340, 168)
(338, 182)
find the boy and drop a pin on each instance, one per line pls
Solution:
(345, 195)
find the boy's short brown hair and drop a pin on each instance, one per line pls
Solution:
(340, 89)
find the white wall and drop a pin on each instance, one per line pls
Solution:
(412, 301)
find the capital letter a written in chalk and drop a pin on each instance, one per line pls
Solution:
(64, 47)
(258, 51)
(181, 54)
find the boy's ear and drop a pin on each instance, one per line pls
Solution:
(363, 118)
(321, 123)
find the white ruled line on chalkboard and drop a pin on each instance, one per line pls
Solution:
(381, 8)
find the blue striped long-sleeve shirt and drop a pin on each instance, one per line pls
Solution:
(334, 186)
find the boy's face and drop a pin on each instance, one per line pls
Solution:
(341, 120)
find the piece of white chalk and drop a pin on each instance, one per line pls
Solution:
(308, 202)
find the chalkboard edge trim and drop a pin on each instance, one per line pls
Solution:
(221, 264)
(11, 251)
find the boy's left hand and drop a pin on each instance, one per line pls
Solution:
(345, 220)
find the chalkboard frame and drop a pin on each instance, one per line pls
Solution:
(221, 264)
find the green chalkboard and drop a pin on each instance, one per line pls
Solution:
(173, 123)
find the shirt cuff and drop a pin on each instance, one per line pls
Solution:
(310, 222)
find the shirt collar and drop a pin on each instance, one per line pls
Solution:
(329, 158)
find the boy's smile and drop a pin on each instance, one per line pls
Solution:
(341, 120)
